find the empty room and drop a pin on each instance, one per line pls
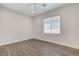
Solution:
(39, 29)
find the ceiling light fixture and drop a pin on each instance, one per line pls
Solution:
(33, 5)
(44, 5)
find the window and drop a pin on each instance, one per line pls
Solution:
(52, 25)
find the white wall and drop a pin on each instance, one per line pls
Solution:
(14, 27)
(69, 26)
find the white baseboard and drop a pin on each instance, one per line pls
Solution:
(3, 44)
(58, 43)
(37, 39)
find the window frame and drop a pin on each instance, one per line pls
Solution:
(51, 26)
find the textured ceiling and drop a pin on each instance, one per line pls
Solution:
(32, 9)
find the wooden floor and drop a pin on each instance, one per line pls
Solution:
(35, 47)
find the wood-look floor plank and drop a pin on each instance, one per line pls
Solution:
(35, 47)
